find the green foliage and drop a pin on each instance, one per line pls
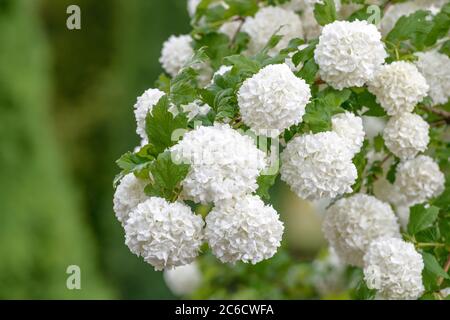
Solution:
(161, 125)
(421, 218)
(325, 12)
(166, 177)
(265, 182)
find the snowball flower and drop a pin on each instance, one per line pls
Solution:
(183, 280)
(351, 224)
(406, 135)
(350, 128)
(273, 99)
(318, 166)
(143, 106)
(399, 87)
(394, 268)
(176, 53)
(243, 229)
(129, 193)
(224, 163)
(419, 180)
(266, 22)
(165, 234)
(349, 53)
(192, 6)
(435, 67)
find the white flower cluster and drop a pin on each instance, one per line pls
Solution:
(419, 180)
(243, 229)
(183, 280)
(273, 100)
(349, 53)
(165, 234)
(435, 67)
(224, 163)
(394, 268)
(129, 193)
(318, 166)
(266, 22)
(143, 106)
(406, 135)
(398, 86)
(351, 224)
(176, 52)
(350, 128)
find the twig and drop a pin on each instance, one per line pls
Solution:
(446, 268)
(233, 39)
(444, 114)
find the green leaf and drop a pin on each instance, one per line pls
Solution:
(334, 98)
(265, 182)
(163, 83)
(167, 177)
(161, 124)
(243, 64)
(309, 71)
(368, 100)
(445, 49)
(360, 162)
(378, 143)
(433, 266)
(392, 173)
(421, 218)
(305, 54)
(325, 12)
(362, 292)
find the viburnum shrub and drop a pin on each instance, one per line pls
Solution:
(269, 89)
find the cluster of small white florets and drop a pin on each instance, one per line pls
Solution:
(419, 180)
(183, 280)
(243, 229)
(164, 234)
(129, 193)
(435, 67)
(398, 86)
(406, 135)
(350, 128)
(318, 166)
(268, 21)
(351, 224)
(143, 106)
(224, 163)
(349, 53)
(394, 268)
(273, 100)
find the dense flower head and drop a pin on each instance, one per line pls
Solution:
(318, 166)
(419, 180)
(350, 128)
(224, 163)
(398, 86)
(129, 193)
(349, 53)
(435, 67)
(176, 53)
(406, 135)
(243, 229)
(268, 21)
(273, 100)
(165, 234)
(394, 268)
(351, 224)
(183, 280)
(143, 106)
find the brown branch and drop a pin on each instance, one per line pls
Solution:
(233, 39)
(446, 268)
(444, 114)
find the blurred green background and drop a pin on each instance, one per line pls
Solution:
(66, 99)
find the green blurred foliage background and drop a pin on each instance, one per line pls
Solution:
(65, 116)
